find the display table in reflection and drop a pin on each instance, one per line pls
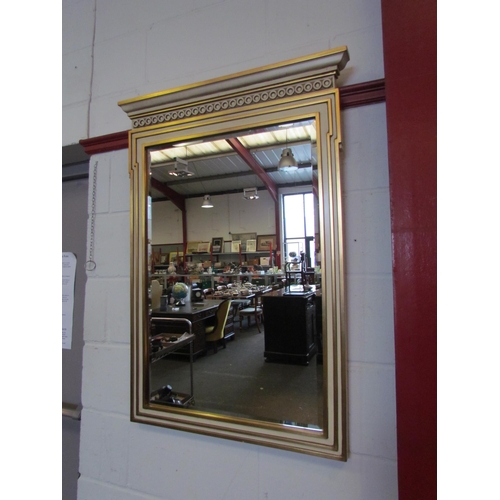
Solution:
(196, 312)
(289, 326)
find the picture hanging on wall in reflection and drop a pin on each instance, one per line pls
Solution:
(176, 257)
(192, 246)
(204, 247)
(251, 245)
(217, 245)
(266, 242)
(243, 238)
(236, 246)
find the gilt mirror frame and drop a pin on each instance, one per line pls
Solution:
(291, 90)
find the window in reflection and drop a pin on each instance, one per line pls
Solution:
(299, 216)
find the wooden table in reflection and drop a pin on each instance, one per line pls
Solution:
(196, 312)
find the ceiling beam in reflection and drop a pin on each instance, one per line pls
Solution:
(256, 168)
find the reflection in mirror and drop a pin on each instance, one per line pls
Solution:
(264, 367)
(237, 295)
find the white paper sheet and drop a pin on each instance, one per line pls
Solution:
(68, 297)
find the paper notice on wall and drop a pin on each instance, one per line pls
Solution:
(68, 297)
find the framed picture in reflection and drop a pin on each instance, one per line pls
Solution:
(243, 239)
(235, 246)
(192, 246)
(251, 245)
(204, 247)
(217, 245)
(266, 242)
(176, 257)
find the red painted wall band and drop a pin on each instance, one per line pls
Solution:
(362, 94)
(105, 143)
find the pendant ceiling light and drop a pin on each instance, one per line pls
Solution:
(207, 202)
(250, 194)
(287, 161)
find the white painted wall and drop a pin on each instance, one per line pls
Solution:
(145, 47)
(231, 214)
(151, 45)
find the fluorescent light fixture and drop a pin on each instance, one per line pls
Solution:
(181, 169)
(250, 194)
(207, 202)
(186, 144)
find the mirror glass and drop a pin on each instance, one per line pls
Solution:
(237, 288)
(266, 367)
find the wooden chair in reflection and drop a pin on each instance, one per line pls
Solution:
(255, 310)
(215, 333)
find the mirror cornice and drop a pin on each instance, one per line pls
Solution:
(269, 83)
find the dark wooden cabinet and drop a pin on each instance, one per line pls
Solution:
(289, 327)
(319, 327)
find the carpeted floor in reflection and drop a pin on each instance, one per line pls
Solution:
(237, 381)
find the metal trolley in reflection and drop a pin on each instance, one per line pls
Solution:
(163, 345)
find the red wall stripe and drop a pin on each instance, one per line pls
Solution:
(409, 41)
(105, 143)
(362, 94)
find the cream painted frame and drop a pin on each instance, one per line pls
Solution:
(291, 90)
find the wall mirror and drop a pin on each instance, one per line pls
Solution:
(277, 378)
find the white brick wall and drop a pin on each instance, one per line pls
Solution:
(181, 42)
(119, 459)
(142, 48)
